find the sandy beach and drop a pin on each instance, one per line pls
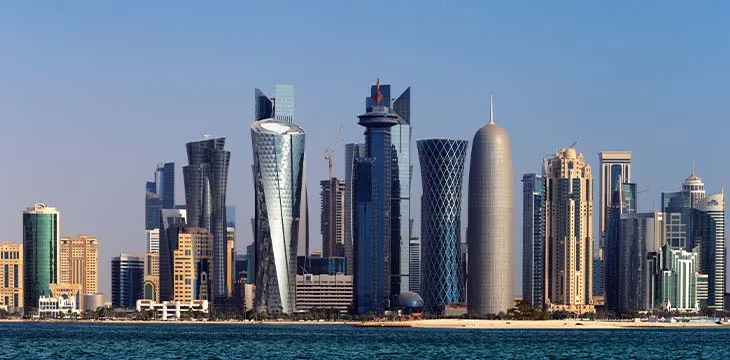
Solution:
(534, 324)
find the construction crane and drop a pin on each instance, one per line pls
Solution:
(329, 155)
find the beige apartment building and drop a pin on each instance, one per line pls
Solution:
(569, 232)
(230, 258)
(152, 276)
(192, 262)
(11, 275)
(79, 262)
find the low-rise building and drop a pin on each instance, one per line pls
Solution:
(323, 292)
(53, 307)
(172, 310)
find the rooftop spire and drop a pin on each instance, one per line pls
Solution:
(378, 95)
(491, 109)
(693, 167)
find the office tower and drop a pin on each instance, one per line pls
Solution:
(192, 260)
(694, 189)
(324, 292)
(172, 223)
(127, 279)
(11, 275)
(206, 177)
(442, 175)
(332, 209)
(352, 152)
(490, 234)
(152, 240)
(569, 232)
(160, 194)
(151, 287)
(40, 254)
(615, 169)
(280, 107)
(533, 239)
(278, 149)
(414, 284)
(79, 262)
(708, 232)
(676, 283)
(676, 211)
(373, 252)
(620, 247)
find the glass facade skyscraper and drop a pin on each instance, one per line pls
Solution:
(40, 254)
(442, 175)
(206, 178)
(278, 149)
(352, 152)
(127, 280)
(533, 239)
(279, 107)
(172, 224)
(160, 194)
(708, 232)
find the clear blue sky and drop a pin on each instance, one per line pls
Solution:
(93, 94)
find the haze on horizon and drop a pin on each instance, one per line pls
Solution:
(94, 94)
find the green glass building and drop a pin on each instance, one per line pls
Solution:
(40, 258)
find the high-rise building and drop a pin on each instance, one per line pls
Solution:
(442, 175)
(675, 282)
(280, 107)
(79, 262)
(533, 238)
(172, 223)
(376, 272)
(231, 266)
(569, 232)
(615, 169)
(160, 194)
(708, 233)
(415, 265)
(151, 287)
(152, 240)
(490, 232)
(694, 190)
(40, 254)
(127, 280)
(11, 275)
(192, 260)
(280, 194)
(619, 242)
(352, 152)
(206, 178)
(332, 225)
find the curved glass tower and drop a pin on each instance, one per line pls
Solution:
(442, 172)
(40, 254)
(490, 232)
(278, 149)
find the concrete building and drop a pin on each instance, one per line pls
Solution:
(694, 189)
(152, 240)
(11, 276)
(569, 232)
(280, 200)
(92, 301)
(127, 280)
(533, 239)
(332, 224)
(490, 232)
(192, 267)
(57, 307)
(324, 292)
(172, 310)
(151, 287)
(79, 263)
(415, 261)
(249, 293)
(231, 266)
(40, 254)
(172, 223)
(442, 175)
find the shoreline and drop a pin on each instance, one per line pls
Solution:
(423, 324)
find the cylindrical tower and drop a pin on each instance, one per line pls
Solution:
(442, 173)
(490, 232)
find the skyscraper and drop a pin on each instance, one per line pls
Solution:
(694, 190)
(490, 232)
(533, 238)
(206, 178)
(442, 175)
(332, 210)
(708, 232)
(352, 152)
(127, 279)
(615, 168)
(280, 107)
(278, 149)
(620, 248)
(160, 194)
(172, 223)
(569, 232)
(79, 262)
(40, 254)
(11, 275)
(415, 265)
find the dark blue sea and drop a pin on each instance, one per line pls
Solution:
(322, 342)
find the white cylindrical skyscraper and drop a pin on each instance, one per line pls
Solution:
(490, 232)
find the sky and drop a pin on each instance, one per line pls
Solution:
(93, 94)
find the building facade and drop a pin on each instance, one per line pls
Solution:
(324, 292)
(569, 232)
(676, 283)
(442, 175)
(172, 223)
(533, 238)
(79, 262)
(11, 276)
(206, 179)
(708, 232)
(127, 280)
(152, 240)
(280, 194)
(620, 247)
(160, 194)
(332, 224)
(352, 152)
(490, 231)
(615, 169)
(415, 265)
(151, 287)
(40, 254)
(279, 107)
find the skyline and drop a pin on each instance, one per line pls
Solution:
(105, 98)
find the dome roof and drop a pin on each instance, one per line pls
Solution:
(693, 179)
(570, 153)
(409, 300)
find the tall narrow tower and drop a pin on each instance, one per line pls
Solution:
(490, 234)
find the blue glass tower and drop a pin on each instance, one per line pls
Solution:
(623, 204)
(160, 194)
(442, 173)
(533, 239)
